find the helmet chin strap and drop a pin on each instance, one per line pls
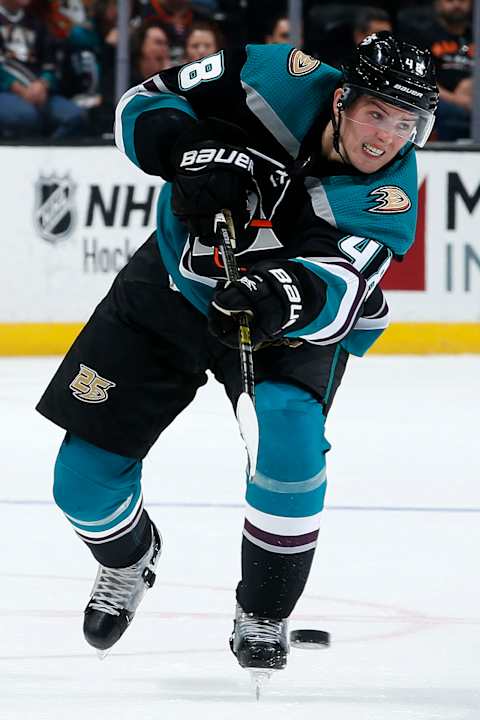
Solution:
(336, 133)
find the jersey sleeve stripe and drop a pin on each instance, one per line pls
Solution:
(320, 204)
(161, 87)
(134, 102)
(346, 291)
(378, 320)
(269, 118)
(367, 330)
(377, 323)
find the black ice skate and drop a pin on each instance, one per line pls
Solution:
(116, 594)
(260, 645)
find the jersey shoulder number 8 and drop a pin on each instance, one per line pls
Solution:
(208, 68)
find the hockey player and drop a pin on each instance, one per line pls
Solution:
(318, 170)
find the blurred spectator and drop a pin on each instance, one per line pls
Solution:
(178, 16)
(203, 38)
(279, 30)
(330, 28)
(449, 37)
(150, 50)
(69, 19)
(29, 103)
(369, 20)
(209, 7)
(259, 16)
(106, 20)
(78, 45)
(329, 32)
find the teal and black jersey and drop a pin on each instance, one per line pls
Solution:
(342, 225)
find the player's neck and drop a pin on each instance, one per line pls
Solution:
(328, 150)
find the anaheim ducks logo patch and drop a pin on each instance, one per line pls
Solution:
(301, 64)
(390, 199)
(89, 387)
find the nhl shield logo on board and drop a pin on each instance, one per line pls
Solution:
(54, 213)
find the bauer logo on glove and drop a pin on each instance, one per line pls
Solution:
(198, 159)
(249, 283)
(213, 170)
(292, 293)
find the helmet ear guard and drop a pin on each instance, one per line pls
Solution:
(347, 97)
(344, 100)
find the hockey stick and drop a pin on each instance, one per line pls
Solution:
(245, 411)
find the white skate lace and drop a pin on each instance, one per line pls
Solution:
(265, 630)
(113, 588)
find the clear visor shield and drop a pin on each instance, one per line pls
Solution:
(405, 121)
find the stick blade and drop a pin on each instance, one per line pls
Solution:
(248, 424)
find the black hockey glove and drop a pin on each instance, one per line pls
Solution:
(213, 172)
(278, 296)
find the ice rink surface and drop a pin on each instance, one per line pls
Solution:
(395, 579)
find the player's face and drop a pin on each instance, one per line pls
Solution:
(373, 131)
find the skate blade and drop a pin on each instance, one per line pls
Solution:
(259, 678)
(102, 654)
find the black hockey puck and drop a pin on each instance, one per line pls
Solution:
(310, 639)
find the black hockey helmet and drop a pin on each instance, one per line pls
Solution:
(398, 73)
